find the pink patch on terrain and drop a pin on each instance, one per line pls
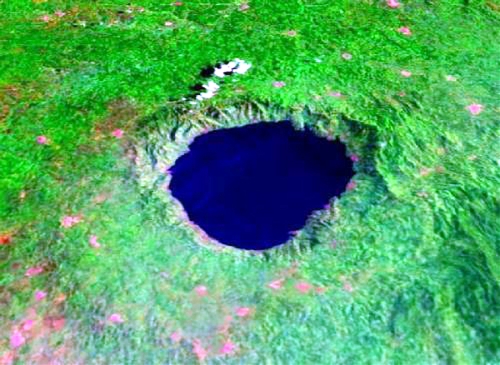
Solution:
(16, 339)
(303, 287)
(201, 290)
(200, 352)
(93, 242)
(243, 311)
(69, 221)
(40, 295)
(276, 284)
(116, 318)
(34, 271)
(176, 336)
(475, 109)
(228, 348)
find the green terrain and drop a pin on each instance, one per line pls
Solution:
(403, 269)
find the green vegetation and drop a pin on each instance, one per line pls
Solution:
(406, 272)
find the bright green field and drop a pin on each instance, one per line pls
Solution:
(414, 274)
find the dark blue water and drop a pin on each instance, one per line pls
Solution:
(250, 186)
